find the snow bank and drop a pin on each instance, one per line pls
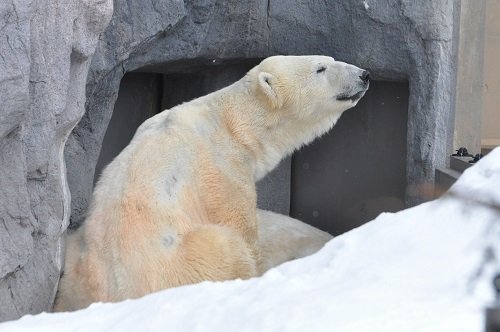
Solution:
(428, 268)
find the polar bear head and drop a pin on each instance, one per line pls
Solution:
(301, 98)
(310, 86)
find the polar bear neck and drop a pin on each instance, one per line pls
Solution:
(268, 136)
(281, 141)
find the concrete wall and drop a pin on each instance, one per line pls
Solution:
(357, 170)
(477, 112)
(491, 92)
(469, 101)
(139, 98)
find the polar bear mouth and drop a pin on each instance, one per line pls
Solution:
(354, 97)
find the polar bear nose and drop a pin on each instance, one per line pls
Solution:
(365, 76)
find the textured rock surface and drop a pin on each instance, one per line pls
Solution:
(395, 39)
(45, 48)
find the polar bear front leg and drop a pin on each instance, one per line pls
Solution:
(282, 238)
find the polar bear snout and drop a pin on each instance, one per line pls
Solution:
(359, 82)
(365, 77)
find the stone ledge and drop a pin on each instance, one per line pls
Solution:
(445, 177)
(460, 164)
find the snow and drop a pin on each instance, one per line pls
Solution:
(428, 268)
(365, 3)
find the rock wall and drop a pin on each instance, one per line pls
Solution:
(45, 50)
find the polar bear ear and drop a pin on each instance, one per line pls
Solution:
(267, 84)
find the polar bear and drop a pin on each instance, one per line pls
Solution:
(282, 239)
(178, 205)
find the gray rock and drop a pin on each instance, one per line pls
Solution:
(45, 54)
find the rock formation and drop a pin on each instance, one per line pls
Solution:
(45, 53)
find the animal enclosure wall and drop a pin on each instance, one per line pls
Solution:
(344, 179)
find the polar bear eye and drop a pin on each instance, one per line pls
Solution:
(320, 69)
